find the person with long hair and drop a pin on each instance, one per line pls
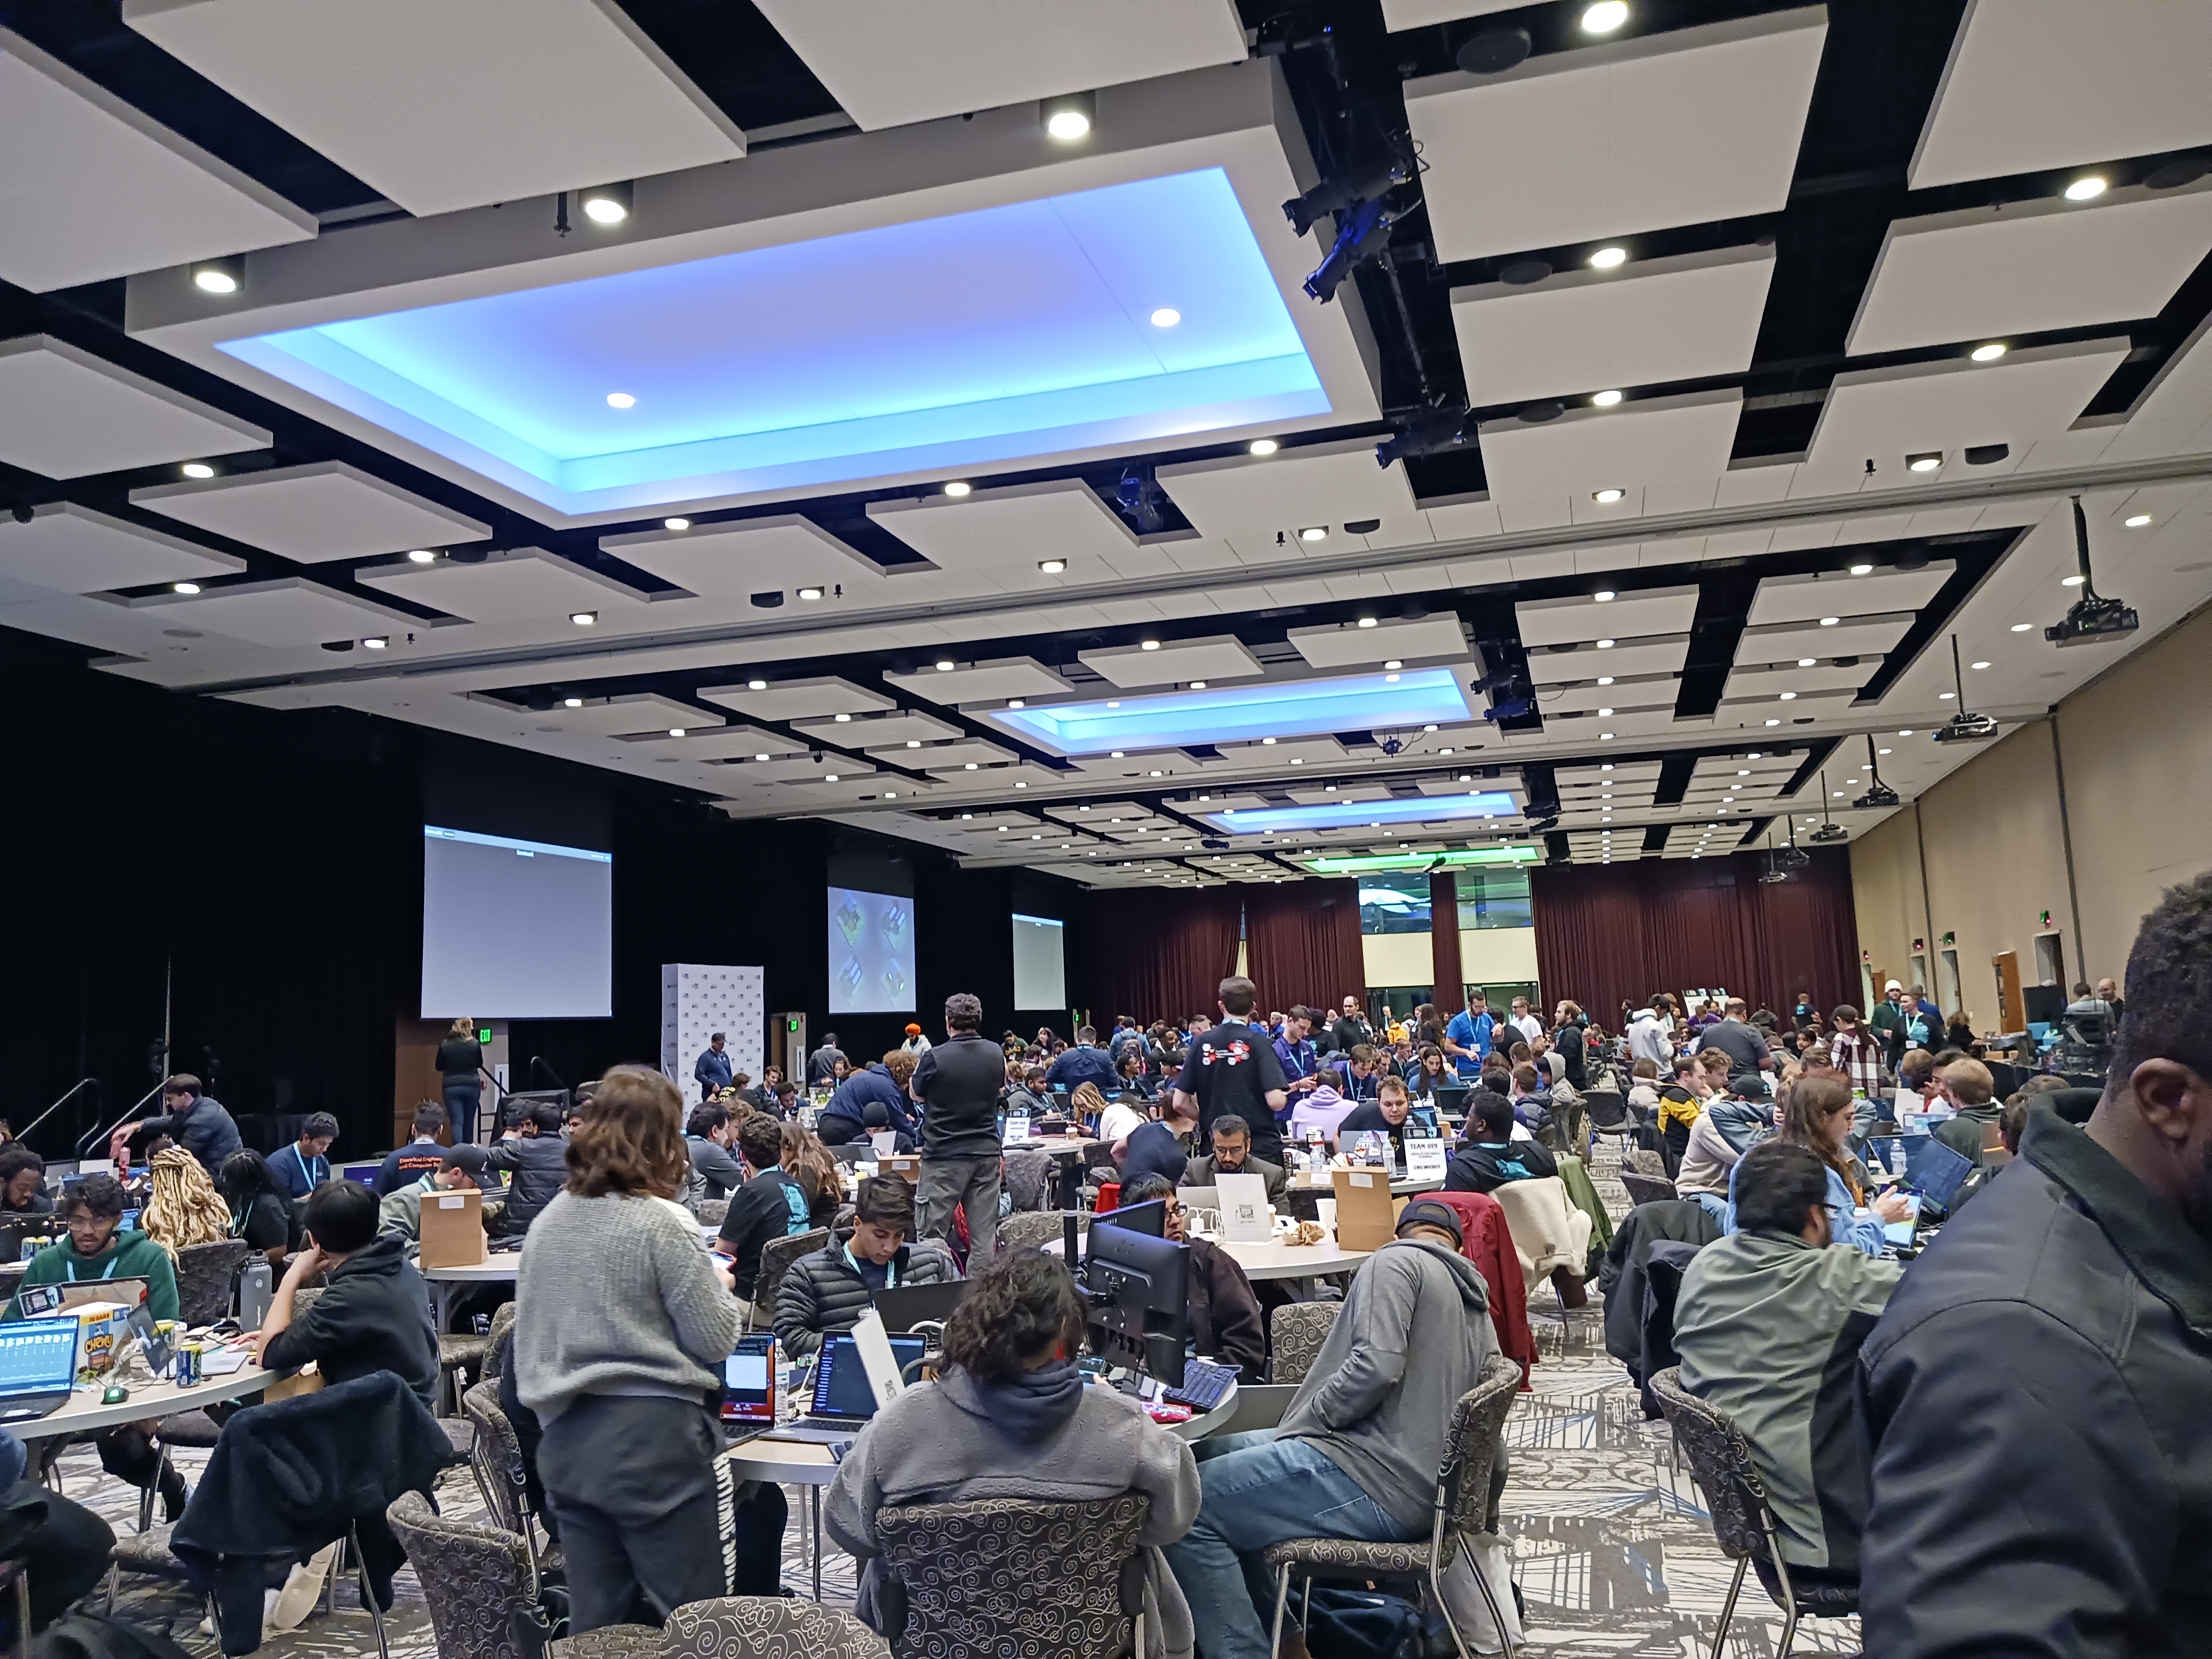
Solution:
(184, 1209)
(1009, 1417)
(460, 1072)
(621, 1324)
(1816, 1113)
(817, 1172)
(260, 1209)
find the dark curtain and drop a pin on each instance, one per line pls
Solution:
(1443, 944)
(1607, 935)
(1156, 953)
(1301, 943)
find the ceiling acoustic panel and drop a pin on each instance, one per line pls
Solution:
(1664, 454)
(888, 65)
(1846, 636)
(1353, 645)
(1584, 618)
(1314, 486)
(2025, 267)
(74, 549)
(1837, 593)
(636, 714)
(95, 189)
(440, 106)
(1674, 128)
(1660, 655)
(2031, 86)
(722, 744)
(284, 614)
(67, 414)
(750, 556)
(324, 511)
(981, 681)
(1175, 662)
(1686, 318)
(762, 698)
(520, 584)
(886, 731)
(1002, 539)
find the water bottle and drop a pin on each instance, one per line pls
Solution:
(253, 1292)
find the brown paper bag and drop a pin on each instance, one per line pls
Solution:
(452, 1230)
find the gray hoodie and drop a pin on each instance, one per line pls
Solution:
(1378, 1406)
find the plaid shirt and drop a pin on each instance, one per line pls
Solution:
(1859, 1057)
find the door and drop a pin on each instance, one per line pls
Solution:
(2050, 960)
(1947, 983)
(2011, 1012)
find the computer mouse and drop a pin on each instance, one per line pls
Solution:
(115, 1394)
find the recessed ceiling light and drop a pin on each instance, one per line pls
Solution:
(1789, 696)
(185, 587)
(1607, 258)
(756, 685)
(1313, 532)
(1148, 645)
(1605, 679)
(421, 555)
(1605, 737)
(1119, 754)
(1607, 766)
(676, 731)
(1977, 664)
(609, 204)
(2136, 521)
(1881, 752)
(1267, 741)
(1068, 118)
(583, 618)
(1166, 316)
(1905, 734)
(914, 743)
(1294, 761)
(2087, 188)
(1606, 399)
(760, 757)
(196, 470)
(1927, 462)
(1945, 696)
(809, 592)
(1605, 645)
(1830, 622)
(1264, 446)
(676, 524)
(958, 487)
(572, 702)
(842, 719)
(377, 641)
(1604, 714)
(1113, 705)
(210, 280)
(1052, 567)
(1774, 722)
(2070, 581)
(621, 400)
(831, 778)
(944, 665)
(1607, 498)
(1862, 570)
(2021, 628)
(1988, 354)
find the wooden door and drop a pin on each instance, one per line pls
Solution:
(2011, 1011)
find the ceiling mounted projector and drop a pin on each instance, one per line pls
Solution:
(1965, 726)
(2091, 620)
(1880, 796)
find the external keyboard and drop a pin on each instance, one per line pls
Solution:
(1203, 1385)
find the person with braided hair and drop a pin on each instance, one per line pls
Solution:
(186, 1208)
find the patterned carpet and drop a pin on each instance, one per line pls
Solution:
(1612, 1548)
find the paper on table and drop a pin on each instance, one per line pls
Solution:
(1424, 1158)
(1247, 1218)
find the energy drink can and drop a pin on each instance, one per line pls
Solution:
(188, 1363)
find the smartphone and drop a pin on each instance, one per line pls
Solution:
(749, 1380)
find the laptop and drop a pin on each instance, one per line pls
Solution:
(843, 1399)
(131, 1292)
(1934, 1170)
(38, 1363)
(904, 1306)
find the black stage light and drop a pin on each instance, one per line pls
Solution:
(1362, 234)
(1334, 196)
(1431, 432)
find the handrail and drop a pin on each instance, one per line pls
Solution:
(537, 1064)
(24, 1133)
(99, 1135)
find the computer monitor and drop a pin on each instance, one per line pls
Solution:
(1150, 1218)
(2044, 1005)
(1138, 1289)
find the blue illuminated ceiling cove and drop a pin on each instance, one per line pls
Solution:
(991, 337)
(1363, 703)
(1347, 814)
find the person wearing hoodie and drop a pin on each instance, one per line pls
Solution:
(539, 1155)
(1009, 1417)
(1532, 1102)
(1490, 1156)
(375, 1314)
(1357, 1451)
(98, 1246)
(1724, 1133)
(845, 1119)
(1321, 1107)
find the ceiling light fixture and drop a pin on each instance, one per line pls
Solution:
(1606, 258)
(1606, 399)
(185, 587)
(914, 743)
(1148, 645)
(944, 665)
(830, 778)
(1605, 645)
(1607, 498)
(676, 731)
(377, 641)
(196, 470)
(1605, 679)
(676, 524)
(1928, 461)
(1166, 316)
(1830, 622)
(583, 618)
(2087, 188)
(621, 400)
(223, 278)
(2135, 521)
(1394, 662)
(756, 685)
(809, 592)
(1052, 567)
(842, 719)
(1862, 570)
(1068, 117)
(607, 204)
(572, 702)
(421, 555)
(1314, 533)
(1988, 354)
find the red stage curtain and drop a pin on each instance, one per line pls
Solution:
(1443, 944)
(1301, 943)
(1158, 954)
(1610, 935)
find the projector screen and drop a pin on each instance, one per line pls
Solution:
(871, 953)
(515, 929)
(1040, 964)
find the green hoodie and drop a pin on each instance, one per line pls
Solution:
(130, 1255)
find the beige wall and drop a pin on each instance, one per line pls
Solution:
(1487, 955)
(2135, 752)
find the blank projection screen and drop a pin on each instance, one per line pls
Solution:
(871, 953)
(515, 929)
(1040, 964)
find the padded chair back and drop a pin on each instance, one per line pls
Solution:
(206, 1276)
(1607, 1111)
(1012, 1576)
(497, 1458)
(765, 1627)
(1298, 1330)
(495, 1355)
(1029, 1178)
(1644, 1160)
(1470, 1450)
(776, 1257)
(1027, 1229)
(710, 1211)
(476, 1579)
(1720, 1463)
(1647, 1188)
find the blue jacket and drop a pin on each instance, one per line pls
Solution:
(845, 1117)
(714, 1071)
(1080, 1065)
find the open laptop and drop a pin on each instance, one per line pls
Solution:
(131, 1292)
(38, 1363)
(904, 1306)
(843, 1399)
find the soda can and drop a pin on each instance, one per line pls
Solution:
(188, 1363)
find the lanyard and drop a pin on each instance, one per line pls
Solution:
(306, 1174)
(103, 1272)
(890, 1268)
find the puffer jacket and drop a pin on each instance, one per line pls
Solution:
(823, 1292)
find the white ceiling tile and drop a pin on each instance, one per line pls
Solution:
(751, 556)
(1686, 318)
(1836, 594)
(1850, 636)
(1557, 466)
(1352, 646)
(1321, 486)
(1766, 682)
(983, 682)
(889, 65)
(2024, 267)
(1674, 128)
(66, 414)
(892, 728)
(74, 549)
(2032, 87)
(439, 106)
(2173, 416)
(1579, 618)
(956, 756)
(631, 714)
(1885, 415)
(288, 613)
(727, 742)
(1001, 536)
(787, 700)
(96, 189)
(743, 772)
(1176, 661)
(323, 511)
(1551, 666)
(520, 584)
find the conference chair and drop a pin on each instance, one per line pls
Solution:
(1743, 1522)
(776, 1257)
(1608, 1115)
(207, 1279)
(765, 1627)
(496, 1356)
(710, 1211)
(476, 1579)
(1010, 1575)
(1646, 1189)
(1459, 1515)
(1297, 1330)
(496, 1462)
(1029, 1228)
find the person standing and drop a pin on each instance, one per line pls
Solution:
(822, 1064)
(1573, 1052)
(305, 1165)
(460, 1069)
(419, 1158)
(1468, 1037)
(195, 1121)
(958, 1083)
(713, 1068)
(1350, 1029)
(1231, 1070)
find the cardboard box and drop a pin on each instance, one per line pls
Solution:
(1365, 1219)
(452, 1230)
(906, 1167)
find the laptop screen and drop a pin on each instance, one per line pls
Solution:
(841, 1382)
(37, 1355)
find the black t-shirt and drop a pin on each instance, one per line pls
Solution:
(1232, 1069)
(959, 1082)
(267, 1224)
(1154, 1150)
(1348, 1035)
(410, 1163)
(769, 1206)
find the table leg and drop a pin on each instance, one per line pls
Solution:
(814, 1504)
(441, 1296)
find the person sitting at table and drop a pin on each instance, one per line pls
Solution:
(374, 1314)
(305, 1165)
(1490, 1157)
(622, 1326)
(1320, 1108)
(1010, 1416)
(816, 1170)
(182, 1206)
(1430, 1073)
(1361, 1074)
(845, 1119)
(1225, 1320)
(1358, 1450)
(1532, 1100)
(1724, 1133)
(23, 1181)
(1644, 1089)
(708, 1133)
(1086, 1062)
(1131, 1067)
(261, 1208)
(1111, 1121)
(1160, 1146)
(876, 1120)
(1392, 1111)
(537, 1155)
(771, 1205)
(403, 1165)
(1816, 1113)
(1232, 1155)
(61, 1547)
(828, 1292)
(401, 1212)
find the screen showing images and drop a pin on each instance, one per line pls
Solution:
(871, 953)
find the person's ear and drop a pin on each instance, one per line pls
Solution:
(2172, 1097)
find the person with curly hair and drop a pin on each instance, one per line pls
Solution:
(1010, 1416)
(185, 1208)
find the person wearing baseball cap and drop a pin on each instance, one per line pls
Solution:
(1357, 1451)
